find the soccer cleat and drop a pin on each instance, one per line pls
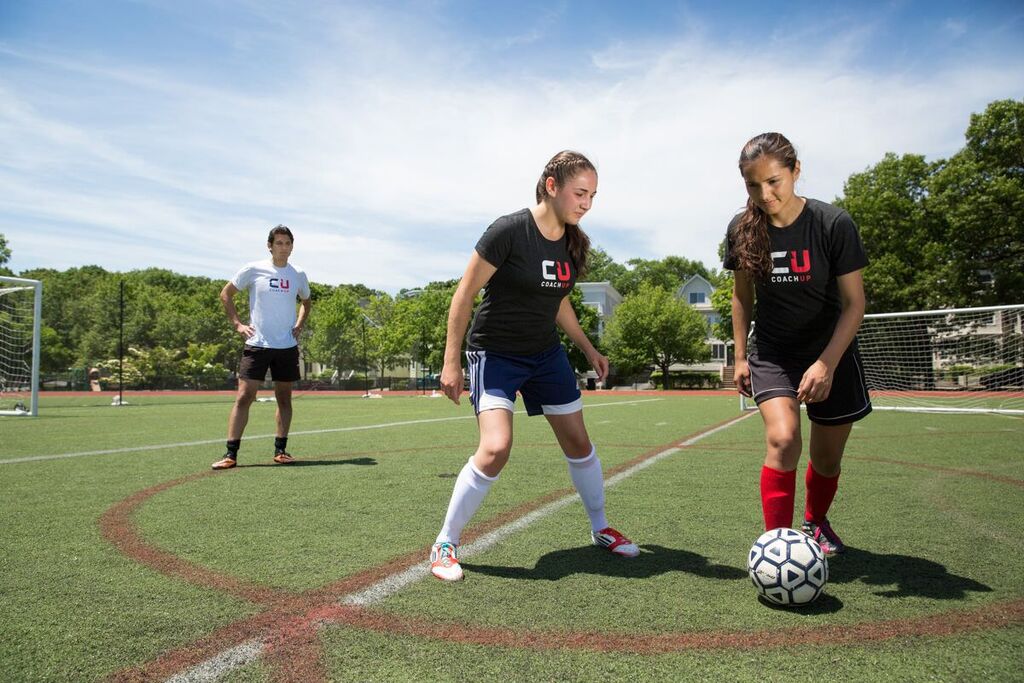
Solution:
(444, 562)
(225, 463)
(283, 458)
(615, 542)
(825, 535)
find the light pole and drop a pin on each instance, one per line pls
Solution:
(366, 363)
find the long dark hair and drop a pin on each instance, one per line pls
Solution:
(750, 235)
(563, 167)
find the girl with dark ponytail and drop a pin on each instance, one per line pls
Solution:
(526, 263)
(563, 167)
(801, 259)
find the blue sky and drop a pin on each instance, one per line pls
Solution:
(172, 134)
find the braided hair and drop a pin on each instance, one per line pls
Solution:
(750, 235)
(563, 167)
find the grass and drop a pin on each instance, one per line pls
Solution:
(925, 540)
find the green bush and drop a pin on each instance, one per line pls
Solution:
(954, 371)
(687, 379)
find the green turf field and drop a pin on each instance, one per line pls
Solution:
(131, 560)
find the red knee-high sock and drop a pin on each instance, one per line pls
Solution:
(820, 492)
(778, 490)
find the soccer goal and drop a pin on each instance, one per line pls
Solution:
(957, 360)
(961, 360)
(21, 308)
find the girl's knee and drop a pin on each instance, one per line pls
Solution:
(783, 440)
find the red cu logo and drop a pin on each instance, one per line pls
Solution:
(797, 263)
(561, 270)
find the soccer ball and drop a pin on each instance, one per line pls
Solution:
(787, 567)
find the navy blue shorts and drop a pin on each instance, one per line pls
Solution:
(545, 380)
(773, 375)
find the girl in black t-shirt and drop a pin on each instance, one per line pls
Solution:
(527, 263)
(803, 259)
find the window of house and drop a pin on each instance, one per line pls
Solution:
(697, 298)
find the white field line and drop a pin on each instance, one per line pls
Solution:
(215, 667)
(207, 442)
(246, 653)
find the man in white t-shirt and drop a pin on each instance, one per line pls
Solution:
(271, 339)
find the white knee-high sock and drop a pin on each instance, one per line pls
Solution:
(589, 482)
(471, 487)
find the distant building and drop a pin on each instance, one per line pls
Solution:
(602, 297)
(696, 291)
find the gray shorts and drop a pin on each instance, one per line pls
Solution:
(773, 375)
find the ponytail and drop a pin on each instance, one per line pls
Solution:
(751, 244)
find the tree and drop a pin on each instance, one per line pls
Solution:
(903, 237)
(334, 328)
(5, 255)
(685, 268)
(646, 272)
(653, 327)
(721, 303)
(980, 193)
(427, 317)
(601, 267)
(201, 367)
(389, 332)
(948, 233)
(54, 354)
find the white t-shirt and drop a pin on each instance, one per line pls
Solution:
(272, 293)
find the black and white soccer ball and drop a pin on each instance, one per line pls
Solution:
(787, 567)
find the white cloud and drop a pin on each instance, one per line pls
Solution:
(388, 154)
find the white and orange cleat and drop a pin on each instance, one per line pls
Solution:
(615, 542)
(444, 562)
(225, 463)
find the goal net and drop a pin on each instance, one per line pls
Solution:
(21, 304)
(954, 360)
(962, 360)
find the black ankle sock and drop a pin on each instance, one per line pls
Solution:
(280, 444)
(233, 447)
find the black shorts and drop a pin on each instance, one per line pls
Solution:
(773, 375)
(282, 363)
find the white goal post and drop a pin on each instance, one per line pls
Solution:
(21, 309)
(957, 360)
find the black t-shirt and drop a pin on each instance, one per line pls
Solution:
(799, 305)
(521, 300)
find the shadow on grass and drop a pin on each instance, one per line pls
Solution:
(653, 560)
(912, 576)
(825, 604)
(313, 463)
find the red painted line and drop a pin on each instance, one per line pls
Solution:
(117, 527)
(230, 393)
(289, 627)
(958, 471)
(987, 617)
